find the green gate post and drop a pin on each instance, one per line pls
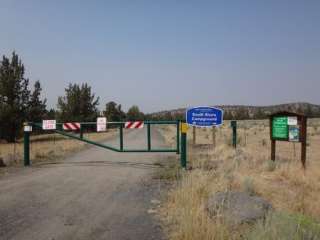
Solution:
(121, 137)
(81, 131)
(234, 133)
(183, 154)
(26, 143)
(149, 136)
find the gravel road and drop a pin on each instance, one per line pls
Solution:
(95, 194)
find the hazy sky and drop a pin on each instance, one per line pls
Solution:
(167, 54)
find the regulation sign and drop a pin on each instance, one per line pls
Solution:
(292, 121)
(101, 124)
(204, 116)
(49, 124)
(288, 126)
(27, 128)
(280, 127)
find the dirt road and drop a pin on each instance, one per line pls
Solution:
(95, 194)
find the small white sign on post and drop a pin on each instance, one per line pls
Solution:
(49, 124)
(292, 121)
(27, 128)
(101, 124)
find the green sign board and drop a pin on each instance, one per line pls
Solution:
(280, 128)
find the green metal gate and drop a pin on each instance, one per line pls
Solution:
(180, 146)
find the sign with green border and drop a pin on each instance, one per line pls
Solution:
(280, 128)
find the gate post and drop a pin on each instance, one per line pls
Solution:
(214, 136)
(183, 156)
(81, 131)
(149, 136)
(26, 144)
(194, 135)
(121, 137)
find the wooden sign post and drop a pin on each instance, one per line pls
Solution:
(290, 127)
(213, 136)
(208, 117)
(233, 125)
(194, 137)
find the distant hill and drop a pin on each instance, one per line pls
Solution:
(246, 112)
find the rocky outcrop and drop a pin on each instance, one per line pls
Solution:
(237, 207)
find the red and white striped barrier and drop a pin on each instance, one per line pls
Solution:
(73, 126)
(135, 124)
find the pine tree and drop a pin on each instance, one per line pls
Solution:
(14, 97)
(134, 114)
(114, 112)
(37, 107)
(51, 114)
(79, 104)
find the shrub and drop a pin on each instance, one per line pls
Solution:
(168, 170)
(248, 185)
(271, 165)
(284, 226)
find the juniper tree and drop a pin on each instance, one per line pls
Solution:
(114, 112)
(134, 113)
(14, 97)
(78, 104)
(37, 107)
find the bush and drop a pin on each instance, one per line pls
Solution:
(248, 185)
(271, 165)
(285, 226)
(169, 169)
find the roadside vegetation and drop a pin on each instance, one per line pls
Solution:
(292, 192)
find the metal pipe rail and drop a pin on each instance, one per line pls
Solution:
(121, 148)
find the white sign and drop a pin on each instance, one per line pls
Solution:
(292, 121)
(49, 124)
(27, 128)
(101, 124)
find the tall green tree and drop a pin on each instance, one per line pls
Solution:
(37, 107)
(134, 114)
(14, 97)
(114, 112)
(51, 114)
(78, 104)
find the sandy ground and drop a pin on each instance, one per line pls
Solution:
(95, 194)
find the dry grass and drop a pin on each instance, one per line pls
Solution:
(48, 147)
(284, 183)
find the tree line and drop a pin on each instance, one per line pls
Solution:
(19, 103)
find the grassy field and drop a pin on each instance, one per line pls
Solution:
(293, 192)
(48, 147)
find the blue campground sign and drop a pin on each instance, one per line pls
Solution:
(204, 116)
